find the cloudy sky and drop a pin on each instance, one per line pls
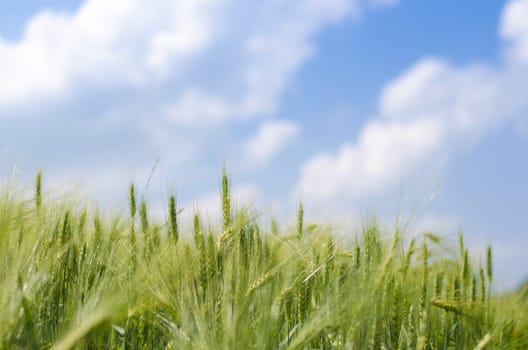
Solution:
(412, 109)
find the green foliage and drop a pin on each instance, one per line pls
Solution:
(38, 190)
(173, 220)
(226, 202)
(72, 279)
(300, 218)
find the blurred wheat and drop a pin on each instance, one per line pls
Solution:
(71, 278)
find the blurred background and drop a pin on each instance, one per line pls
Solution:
(414, 110)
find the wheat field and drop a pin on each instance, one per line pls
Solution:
(75, 278)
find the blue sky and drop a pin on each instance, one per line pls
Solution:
(413, 108)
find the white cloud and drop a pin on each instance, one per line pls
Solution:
(470, 101)
(514, 28)
(383, 153)
(121, 41)
(132, 81)
(276, 41)
(433, 108)
(281, 42)
(270, 139)
(127, 43)
(399, 95)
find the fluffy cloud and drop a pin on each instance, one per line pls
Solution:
(432, 108)
(514, 28)
(168, 45)
(468, 100)
(270, 139)
(117, 42)
(270, 43)
(124, 82)
(383, 153)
